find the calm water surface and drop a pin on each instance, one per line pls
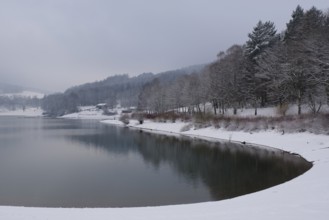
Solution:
(73, 163)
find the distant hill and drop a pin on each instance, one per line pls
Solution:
(171, 75)
(112, 90)
(8, 90)
(124, 88)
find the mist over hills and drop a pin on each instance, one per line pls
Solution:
(7, 88)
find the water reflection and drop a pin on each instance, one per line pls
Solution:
(76, 163)
(228, 169)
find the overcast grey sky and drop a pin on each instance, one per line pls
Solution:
(55, 44)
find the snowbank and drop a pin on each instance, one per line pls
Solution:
(305, 197)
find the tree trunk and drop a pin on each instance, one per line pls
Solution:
(327, 91)
(299, 102)
(215, 104)
(199, 109)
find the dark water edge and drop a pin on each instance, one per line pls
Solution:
(79, 163)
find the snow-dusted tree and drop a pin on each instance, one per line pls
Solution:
(307, 62)
(177, 94)
(196, 92)
(204, 89)
(261, 38)
(185, 93)
(325, 48)
(233, 64)
(272, 65)
(294, 28)
(151, 98)
(316, 47)
(173, 94)
(143, 97)
(217, 85)
(225, 76)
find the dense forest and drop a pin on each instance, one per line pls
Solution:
(270, 69)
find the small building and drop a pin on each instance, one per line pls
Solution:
(127, 111)
(101, 106)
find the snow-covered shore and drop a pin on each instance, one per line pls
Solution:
(304, 197)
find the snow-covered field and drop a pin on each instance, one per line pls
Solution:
(28, 112)
(89, 112)
(305, 197)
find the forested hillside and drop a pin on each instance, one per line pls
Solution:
(270, 69)
(113, 90)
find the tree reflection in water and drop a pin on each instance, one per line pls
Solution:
(227, 169)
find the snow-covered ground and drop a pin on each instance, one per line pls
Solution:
(28, 112)
(305, 197)
(90, 112)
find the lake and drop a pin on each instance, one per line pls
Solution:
(84, 163)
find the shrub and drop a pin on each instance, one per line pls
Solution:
(124, 119)
(109, 113)
(166, 116)
(139, 116)
(186, 127)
